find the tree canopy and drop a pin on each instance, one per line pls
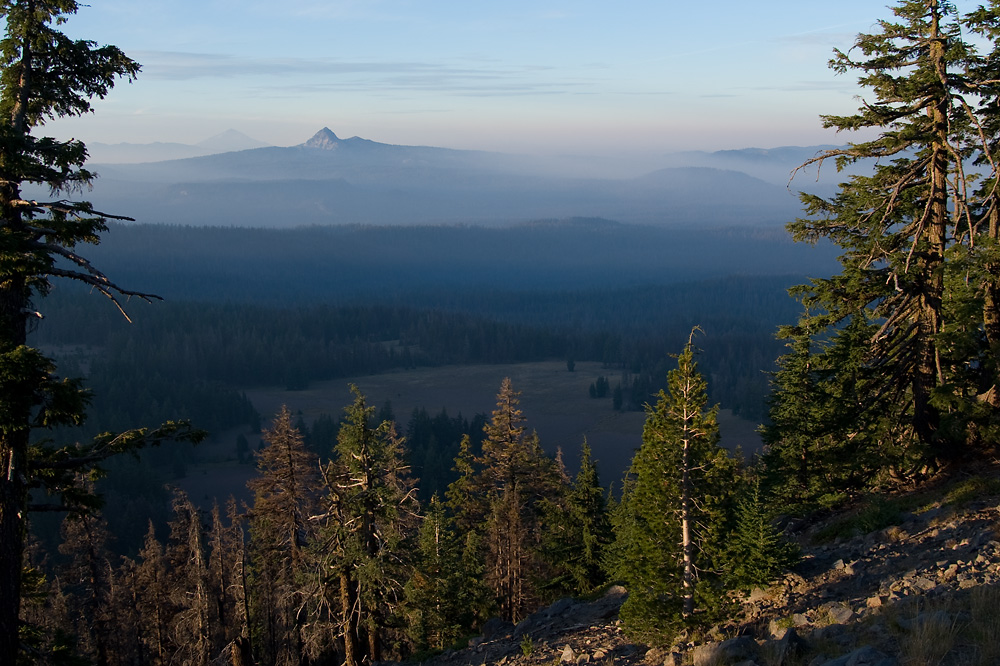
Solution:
(45, 75)
(898, 349)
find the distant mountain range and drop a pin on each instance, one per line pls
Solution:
(326, 180)
(132, 153)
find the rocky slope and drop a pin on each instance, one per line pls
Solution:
(923, 590)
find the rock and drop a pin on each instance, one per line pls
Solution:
(777, 629)
(838, 565)
(599, 654)
(568, 656)
(583, 659)
(839, 612)
(496, 627)
(615, 591)
(785, 649)
(559, 607)
(726, 653)
(799, 620)
(758, 594)
(874, 602)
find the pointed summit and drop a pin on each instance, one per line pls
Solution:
(230, 141)
(324, 139)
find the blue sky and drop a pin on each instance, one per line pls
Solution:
(539, 76)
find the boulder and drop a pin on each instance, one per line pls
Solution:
(496, 627)
(726, 653)
(786, 648)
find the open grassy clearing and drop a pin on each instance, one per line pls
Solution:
(555, 403)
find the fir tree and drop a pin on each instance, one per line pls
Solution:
(188, 584)
(756, 553)
(86, 576)
(438, 611)
(818, 419)
(904, 230)
(593, 530)
(517, 479)
(154, 605)
(576, 532)
(44, 75)
(674, 509)
(285, 496)
(361, 557)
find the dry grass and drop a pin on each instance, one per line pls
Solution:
(931, 637)
(983, 630)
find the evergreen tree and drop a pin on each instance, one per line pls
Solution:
(983, 258)
(592, 527)
(673, 515)
(43, 75)
(285, 496)
(87, 578)
(903, 227)
(154, 605)
(819, 422)
(361, 557)
(438, 611)
(188, 584)
(756, 553)
(516, 480)
(576, 531)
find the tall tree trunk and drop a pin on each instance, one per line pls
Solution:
(929, 374)
(687, 545)
(349, 621)
(991, 312)
(14, 305)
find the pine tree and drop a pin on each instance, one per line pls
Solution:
(756, 553)
(188, 584)
(674, 509)
(43, 75)
(154, 605)
(516, 479)
(361, 557)
(87, 577)
(902, 228)
(437, 609)
(285, 496)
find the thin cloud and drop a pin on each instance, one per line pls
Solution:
(325, 74)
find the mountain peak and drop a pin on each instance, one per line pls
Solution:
(324, 139)
(229, 141)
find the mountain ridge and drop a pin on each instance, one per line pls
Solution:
(327, 180)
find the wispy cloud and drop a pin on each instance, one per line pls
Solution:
(469, 77)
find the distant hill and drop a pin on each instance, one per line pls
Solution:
(324, 264)
(332, 181)
(774, 165)
(134, 153)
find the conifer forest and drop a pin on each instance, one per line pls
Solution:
(365, 536)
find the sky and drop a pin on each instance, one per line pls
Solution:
(553, 77)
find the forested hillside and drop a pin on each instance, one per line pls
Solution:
(363, 539)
